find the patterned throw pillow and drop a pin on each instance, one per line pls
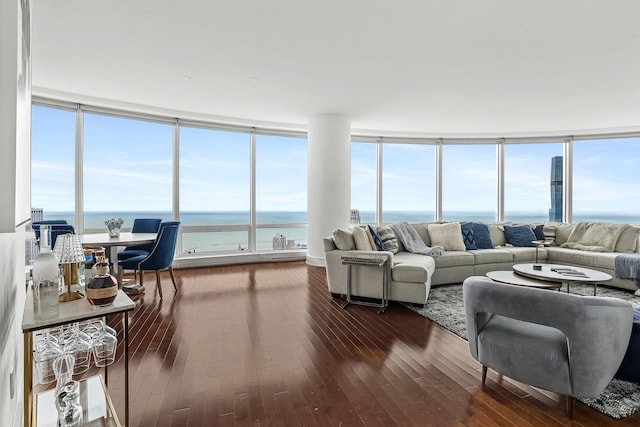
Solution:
(482, 236)
(389, 240)
(376, 239)
(467, 236)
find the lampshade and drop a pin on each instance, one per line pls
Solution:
(68, 249)
(70, 254)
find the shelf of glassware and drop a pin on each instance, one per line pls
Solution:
(69, 312)
(97, 408)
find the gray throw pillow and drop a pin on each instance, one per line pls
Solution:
(344, 239)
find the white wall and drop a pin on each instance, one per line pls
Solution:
(15, 128)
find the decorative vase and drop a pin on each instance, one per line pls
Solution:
(113, 225)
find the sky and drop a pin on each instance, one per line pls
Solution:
(128, 166)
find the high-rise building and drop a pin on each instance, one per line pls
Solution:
(555, 213)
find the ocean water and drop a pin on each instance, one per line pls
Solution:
(293, 237)
(213, 241)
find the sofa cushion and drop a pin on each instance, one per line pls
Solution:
(595, 236)
(597, 260)
(409, 267)
(520, 236)
(527, 254)
(454, 259)
(467, 236)
(447, 235)
(497, 234)
(628, 240)
(376, 239)
(361, 239)
(344, 239)
(491, 256)
(482, 235)
(562, 233)
(389, 239)
(422, 229)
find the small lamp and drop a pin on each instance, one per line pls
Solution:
(70, 254)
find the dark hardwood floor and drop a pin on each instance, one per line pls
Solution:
(265, 344)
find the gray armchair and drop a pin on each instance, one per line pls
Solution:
(565, 343)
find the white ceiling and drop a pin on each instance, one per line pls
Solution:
(410, 67)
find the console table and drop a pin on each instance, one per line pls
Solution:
(69, 312)
(367, 260)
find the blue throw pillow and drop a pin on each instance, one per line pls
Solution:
(467, 236)
(539, 232)
(482, 236)
(376, 239)
(519, 235)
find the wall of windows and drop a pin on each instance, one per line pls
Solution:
(234, 190)
(514, 180)
(242, 190)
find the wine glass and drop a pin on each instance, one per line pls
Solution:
(78, 344)
(104, 345)
(47, 351)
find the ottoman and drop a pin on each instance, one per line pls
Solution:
(629, 369)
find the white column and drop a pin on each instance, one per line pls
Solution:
(328, 181)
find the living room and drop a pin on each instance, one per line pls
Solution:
(403, 153)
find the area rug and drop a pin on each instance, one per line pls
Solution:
(619, 400)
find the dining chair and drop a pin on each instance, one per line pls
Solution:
(35, 226)
(140, 225)
(56, 230)
(160, 257)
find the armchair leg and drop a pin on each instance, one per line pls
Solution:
(173, 279)
(484, 374)
(158, 284)
(568, 403)
(141, 278)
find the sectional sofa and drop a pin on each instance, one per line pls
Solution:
(471, 249)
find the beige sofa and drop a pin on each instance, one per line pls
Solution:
(412, 275)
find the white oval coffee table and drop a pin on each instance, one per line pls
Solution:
(511, 278)
(562, 274)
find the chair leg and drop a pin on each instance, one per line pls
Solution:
(158, 283)
(484, 374)
(568, 403)
(141, 278)
(173, 279)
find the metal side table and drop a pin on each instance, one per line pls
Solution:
(368, 260)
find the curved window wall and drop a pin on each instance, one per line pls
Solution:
(234, 190)
(243, 190)
(520, 180)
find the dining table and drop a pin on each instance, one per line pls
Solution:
(111, 245)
